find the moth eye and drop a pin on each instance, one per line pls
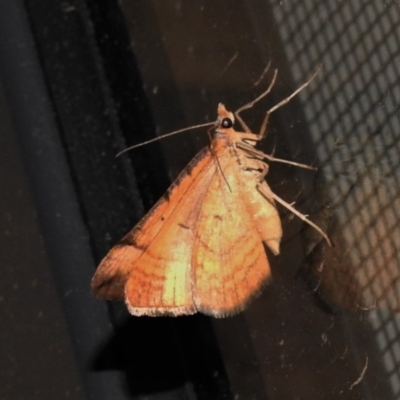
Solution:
(226, 123)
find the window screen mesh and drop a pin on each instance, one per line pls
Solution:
(354, 121)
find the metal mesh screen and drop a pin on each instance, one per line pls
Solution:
(354, 121)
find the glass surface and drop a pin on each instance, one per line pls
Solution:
(337, 333)
(83, 80)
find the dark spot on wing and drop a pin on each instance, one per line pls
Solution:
(183, 226)
(218, 217)
(109, 287)
(127, 241)
(167, 194)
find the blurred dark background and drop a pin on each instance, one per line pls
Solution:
(82, 80)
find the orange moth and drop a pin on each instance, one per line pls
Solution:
(200, 248)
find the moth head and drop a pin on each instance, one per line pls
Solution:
(225, 118)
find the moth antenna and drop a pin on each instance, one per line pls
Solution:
(164, 136)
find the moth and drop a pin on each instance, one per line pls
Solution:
(200, 248)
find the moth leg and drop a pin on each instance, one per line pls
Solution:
(264, 124)
(248, 148)
(251, 104)
(263, 173)
(268, 194)
(255, 164)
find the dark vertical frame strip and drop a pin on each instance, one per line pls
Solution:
(58, 210)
